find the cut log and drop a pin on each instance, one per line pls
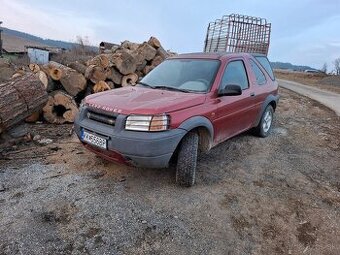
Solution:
(147, 51)
(147, 69)
(6, 73)
(55, 73)
(140, 73)
(99, 60)
(34, 117)
(111, 84)
(47, 69)
(100, 87)
(16, 75)
(72, 81)
(156, 61)
(124, 62)
(129, 45)
(19, 98)
(43, 78)
(53, 85)
(89, 71)
(95, 73)
(79, 67)
(154, 42)
(129, 79)
(141, 66)
(60, 108)
(163, 53)
(34, 67)
(114, 75)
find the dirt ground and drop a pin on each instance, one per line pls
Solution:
(277, 195)
(319, 80)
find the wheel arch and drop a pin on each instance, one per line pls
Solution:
(204, 129)
(270, 100)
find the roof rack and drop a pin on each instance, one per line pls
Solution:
(238, 33)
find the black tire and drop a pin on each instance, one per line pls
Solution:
(187, 160)
(263, 129)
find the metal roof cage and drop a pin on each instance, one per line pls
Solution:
(238, 33)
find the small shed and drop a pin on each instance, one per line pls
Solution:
(38, 55)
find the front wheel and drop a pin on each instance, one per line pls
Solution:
(187, 160)
(266, 122)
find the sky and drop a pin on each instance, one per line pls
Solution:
(305, 32)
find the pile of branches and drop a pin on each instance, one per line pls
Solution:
(67, 85)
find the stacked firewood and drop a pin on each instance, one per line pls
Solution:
(67, 85)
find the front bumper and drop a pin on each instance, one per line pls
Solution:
(141, 149)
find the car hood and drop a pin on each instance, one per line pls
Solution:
(140, 100)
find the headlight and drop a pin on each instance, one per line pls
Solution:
(147, 122)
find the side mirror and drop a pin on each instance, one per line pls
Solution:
(231, 90)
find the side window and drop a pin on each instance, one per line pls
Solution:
(235, 73)
(260, 78)
(266, 65)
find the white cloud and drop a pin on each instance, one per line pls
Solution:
(303, 32)
(59, 25)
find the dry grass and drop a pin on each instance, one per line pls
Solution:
(78, 53)
(319, 80)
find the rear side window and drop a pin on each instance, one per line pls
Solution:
(266, 65)
(235, 74)
(260, 77)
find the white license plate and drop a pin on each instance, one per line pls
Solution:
(94, 140)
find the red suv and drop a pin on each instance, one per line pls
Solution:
(190, 102)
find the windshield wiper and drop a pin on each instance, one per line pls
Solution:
(146, 85)
(171, 88)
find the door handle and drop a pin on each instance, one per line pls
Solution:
(252, 94)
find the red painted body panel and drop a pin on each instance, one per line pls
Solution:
(140, 100)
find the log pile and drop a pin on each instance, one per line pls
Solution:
(67, 85)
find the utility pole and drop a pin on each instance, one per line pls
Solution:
(0, 40)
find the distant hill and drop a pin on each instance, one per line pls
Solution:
(289, 66)
(39, 40)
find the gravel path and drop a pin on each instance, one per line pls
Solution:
(277, 195)
(327, 98)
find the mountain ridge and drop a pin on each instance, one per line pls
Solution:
(48, 42)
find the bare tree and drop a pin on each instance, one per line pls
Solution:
(337, 66)
(324, 68)
(81, 50)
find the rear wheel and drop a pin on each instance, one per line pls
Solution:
(187, 160)
(266, 122)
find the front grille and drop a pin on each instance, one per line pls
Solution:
(100, 117)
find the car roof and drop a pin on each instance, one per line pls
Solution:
(215, 55)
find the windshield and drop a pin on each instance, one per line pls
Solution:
(194, 75)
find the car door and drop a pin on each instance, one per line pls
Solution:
(234, 114)
(259, 83)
